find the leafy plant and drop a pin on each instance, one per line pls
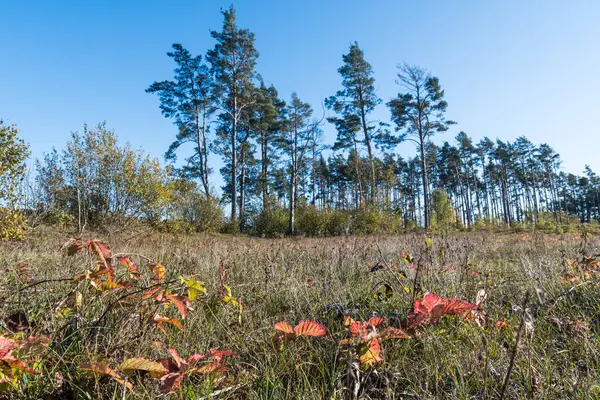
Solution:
(17, 356)
(178, 368)
(365, 339)
(305, 328)
(432, 308)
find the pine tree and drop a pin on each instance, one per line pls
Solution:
(187, 100)
(232, 62)
(419, 113)
(354, 103)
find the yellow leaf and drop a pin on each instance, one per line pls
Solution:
(131, 365)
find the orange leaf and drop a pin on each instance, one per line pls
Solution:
(284, 327)
(371, 353)
(160, 321)
(376, 320)
(309, 328)
(131, 267)
(151, 292)
(180, 301)
(73, 246)
(393, 333)
(158, 270)
(102, 369)
(142, 364)
(210, 368)
(359, 329)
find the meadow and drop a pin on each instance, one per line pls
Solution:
(463, 316)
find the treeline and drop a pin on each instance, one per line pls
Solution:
(281, 178)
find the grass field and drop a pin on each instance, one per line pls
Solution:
(553, 345)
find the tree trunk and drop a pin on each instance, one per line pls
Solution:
(234, 165)
(425, 184)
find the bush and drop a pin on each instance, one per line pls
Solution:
(12, 225)
(207, 214)
(335, 222)
(442, 213)
(273, 222)
(310, 221)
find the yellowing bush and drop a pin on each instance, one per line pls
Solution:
(12, 225)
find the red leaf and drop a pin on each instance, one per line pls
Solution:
(101, 249)
(170, 382)
(219, 355)
(457, 306)
(178, 360)
(501, 325)
(359, 330)
(431, 305)
(6, 345)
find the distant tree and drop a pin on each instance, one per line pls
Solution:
(296, 146)
(442, 213)
(419, 113)
(187, 100)
(103, 182)
(354, 103)
(232, 63)
(13, 154)
(269, 124)
(54, 194)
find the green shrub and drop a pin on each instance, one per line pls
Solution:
(336, 222)
(310, 221)
(207, 214)
(272, 223)
(442, 212)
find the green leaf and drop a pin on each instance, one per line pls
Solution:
(194, 287)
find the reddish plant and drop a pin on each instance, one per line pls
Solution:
(178, 368)
(432, 308)
(16, 358)
(306, 328)
(365, 339)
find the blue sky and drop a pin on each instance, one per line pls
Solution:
(509, 68)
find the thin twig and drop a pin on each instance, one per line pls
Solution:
(514, 353)
(45, 281)
(112, 304)
(387, 266)
(218, 392)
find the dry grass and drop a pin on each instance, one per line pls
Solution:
(324, 279)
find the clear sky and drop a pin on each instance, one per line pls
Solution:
(509, 67)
